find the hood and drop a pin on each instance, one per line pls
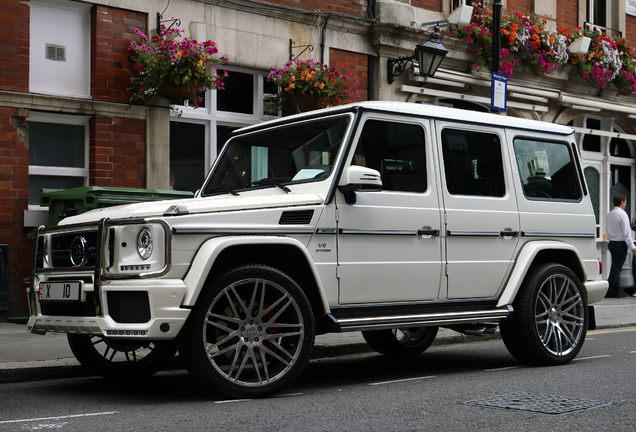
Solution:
(218, 203)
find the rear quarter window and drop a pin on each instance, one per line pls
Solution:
(547, 170)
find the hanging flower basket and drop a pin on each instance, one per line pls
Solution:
(308, 102)
(177, 93)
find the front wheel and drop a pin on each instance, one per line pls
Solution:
(250, 334)
(550, 317)
(114, 358)
(401, 341)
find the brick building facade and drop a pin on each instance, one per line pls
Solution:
(117, 145)
(138, 146)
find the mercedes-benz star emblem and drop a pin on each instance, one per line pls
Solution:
(78, 251)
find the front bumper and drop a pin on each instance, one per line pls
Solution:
(139, 309)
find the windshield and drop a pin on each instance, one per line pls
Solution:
(299, 152)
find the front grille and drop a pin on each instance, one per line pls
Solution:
(39, 259)
(61, 249)
(129, 307)
(86, 308)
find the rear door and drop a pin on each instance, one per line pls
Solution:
(481, 215)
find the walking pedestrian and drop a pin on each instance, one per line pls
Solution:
(619, 235)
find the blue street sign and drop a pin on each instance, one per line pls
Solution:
(499, 97)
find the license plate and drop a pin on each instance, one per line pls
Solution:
(60, 291)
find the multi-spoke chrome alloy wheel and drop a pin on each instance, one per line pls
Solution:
(251, 333)
(123, 359)
(559, 314)
(550, 317)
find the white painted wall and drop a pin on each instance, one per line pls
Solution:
(66, 24)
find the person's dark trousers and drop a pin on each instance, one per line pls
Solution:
(619, 253)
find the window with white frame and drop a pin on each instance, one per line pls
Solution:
(197, 135)
(608, 164)
(58, 153)
(602, 15)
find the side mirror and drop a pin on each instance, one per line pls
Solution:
(359, 179)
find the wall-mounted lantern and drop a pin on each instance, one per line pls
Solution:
(429, 56)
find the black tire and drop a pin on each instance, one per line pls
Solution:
(250, 334)
(409, 341)
(550, 317)
(121, 359)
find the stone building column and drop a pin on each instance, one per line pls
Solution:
(158, 147)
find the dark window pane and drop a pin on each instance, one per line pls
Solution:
(58, 145)
(547, 170)
(621, 183)
(620, 148)
(593, 180)
(397, 151)
(37, 182)
(238, 93)
(473, 163)
(187, 155)
(222, 134)
(269, 87)
(592, 142)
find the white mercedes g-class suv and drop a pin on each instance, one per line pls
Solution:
(392, 219)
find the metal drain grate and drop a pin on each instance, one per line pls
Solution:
(545, 404)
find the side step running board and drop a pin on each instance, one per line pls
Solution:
(445, 319)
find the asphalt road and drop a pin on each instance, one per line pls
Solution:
(462, 387)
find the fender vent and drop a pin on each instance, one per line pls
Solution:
(296, 217)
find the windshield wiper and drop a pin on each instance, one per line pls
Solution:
(271, 181)
(226, 188)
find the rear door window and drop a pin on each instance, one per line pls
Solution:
(473, 163)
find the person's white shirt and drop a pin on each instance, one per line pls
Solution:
(617, 227)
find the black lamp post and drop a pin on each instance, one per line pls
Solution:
(429, 56)
(496, 35)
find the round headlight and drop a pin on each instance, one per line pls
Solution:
(144, 243)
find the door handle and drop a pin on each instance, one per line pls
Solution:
(509, 233)
(428, 232)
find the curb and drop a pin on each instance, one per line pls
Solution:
(14, 372)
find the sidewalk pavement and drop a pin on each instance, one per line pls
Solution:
(26, 356)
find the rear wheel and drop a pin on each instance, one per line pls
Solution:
(250, 334)
(550, 317)
(406, 341)
(116, 358)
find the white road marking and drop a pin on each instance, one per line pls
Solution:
(592, 357)
(402, 380)
(233, 400)
(289, 395)
(505, 368)
(621, 330)
(57, 418)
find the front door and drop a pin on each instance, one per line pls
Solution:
(482, 220)
(389, 244)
